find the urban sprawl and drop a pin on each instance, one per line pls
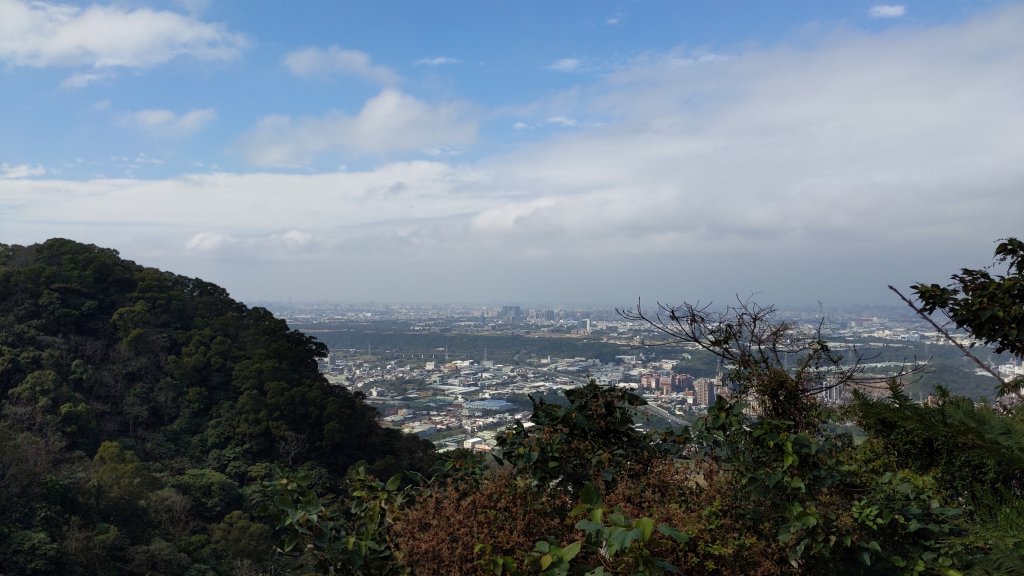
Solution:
(465, 400)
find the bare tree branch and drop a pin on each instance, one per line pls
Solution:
(780, 367)
(945, 334)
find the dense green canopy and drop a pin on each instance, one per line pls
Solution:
(141, 410)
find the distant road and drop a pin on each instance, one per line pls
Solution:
(659, 411)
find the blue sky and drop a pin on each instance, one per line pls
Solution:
(490, 151)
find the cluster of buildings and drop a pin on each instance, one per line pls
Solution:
(465, 402)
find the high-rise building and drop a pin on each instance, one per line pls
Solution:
(583, 326)
(704, 391)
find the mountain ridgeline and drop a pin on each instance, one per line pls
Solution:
(142, 412)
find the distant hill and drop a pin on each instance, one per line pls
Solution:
(141, 411)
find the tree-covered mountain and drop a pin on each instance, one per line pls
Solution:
(142, 411)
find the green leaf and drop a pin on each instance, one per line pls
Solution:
(590, 495)
(589, 526)
(570, 551)
(646, 527)
(677, 535)
(621, 539)
(283, 502)
(865, 557)
(393, 482)
(578, 510)
(290, 541)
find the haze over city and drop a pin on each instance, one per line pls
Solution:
(591, 152)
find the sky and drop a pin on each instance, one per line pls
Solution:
(516, 152)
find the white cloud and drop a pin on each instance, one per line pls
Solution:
(209, 242)
(293, 238)
(562, 121)
(613, 21)
(42, 34)
(259, 204)
(521, 126)
(565, 65)
(825, 170)
(312, 62)
(77, 81)
(146, 159)
(441, 151)
(266, 246)
(390, 121)
(163, 122)
(19, 171)
(741, 147)
(438, 61)
(887, 11)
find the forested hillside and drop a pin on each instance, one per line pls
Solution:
(152, 425)
(142, 411)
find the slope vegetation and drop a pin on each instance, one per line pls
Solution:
(142, 411)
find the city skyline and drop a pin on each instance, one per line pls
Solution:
(589, 152)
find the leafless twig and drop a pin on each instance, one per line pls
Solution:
(781, 367)
(945, 334)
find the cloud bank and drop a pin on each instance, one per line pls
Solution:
(887, 11)
(437, 61)
(20, 171)
(828, 168)
(43, 34)
(314, 62)
(565, 65)
(391, 121)
(161, 122)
